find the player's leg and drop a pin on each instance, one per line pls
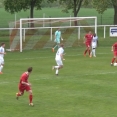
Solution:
(93, 49)
(86, 50)
(29, 90)
(1, 64)
(54, 46)
(89, 49)
(20, 93)
(30, 97)
(91, 52)
(114, 58)
(58, 44)
(60, 64)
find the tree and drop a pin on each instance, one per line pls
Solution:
(75, 5)
(102, 5)
(13, 6)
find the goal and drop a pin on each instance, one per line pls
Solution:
(36, 33)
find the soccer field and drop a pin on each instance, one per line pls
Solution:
(85, 87)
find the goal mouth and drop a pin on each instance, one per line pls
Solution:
(36, 33)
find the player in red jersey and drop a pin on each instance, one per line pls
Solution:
(114, 49)
(88, 39)
(25, 85)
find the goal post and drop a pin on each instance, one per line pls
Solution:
(54, 23)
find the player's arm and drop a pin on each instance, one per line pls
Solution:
(61, 56)
(1, 52)
(25, 83)
(84, 39)
(112, 48)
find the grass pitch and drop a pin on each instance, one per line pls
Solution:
(85, 87)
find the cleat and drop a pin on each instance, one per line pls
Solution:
(63, 59)
(56, 74)
(53, 68)
(31, 104)
(52, 49)
(111, 64)
(84, 55)
(17, 97)
(90, 56)
(1, 73)
(94, 56)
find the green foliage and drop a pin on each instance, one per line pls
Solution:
(13, 6)
(102, 5)
(75, 5)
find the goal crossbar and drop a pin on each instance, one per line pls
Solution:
(59, 19)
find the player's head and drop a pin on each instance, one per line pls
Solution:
(89, 32)
(29, 69)
(3, 44)
(94, 34)
(61, 45)
(58, 29)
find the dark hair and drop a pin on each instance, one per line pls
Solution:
(94, 34)
(2, 44)
(61, 44)
(29, 69)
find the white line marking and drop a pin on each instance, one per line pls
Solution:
(36, 79)
(50, 57)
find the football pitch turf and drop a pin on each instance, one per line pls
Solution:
(85, 87)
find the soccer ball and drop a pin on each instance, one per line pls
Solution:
(115, 64)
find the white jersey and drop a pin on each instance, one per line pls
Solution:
(94, 41)
(58, 53)
(2, 50)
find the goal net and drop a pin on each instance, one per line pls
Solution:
(36, 33)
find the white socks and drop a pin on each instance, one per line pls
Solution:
(93, 51)
(56, 67)
(1, 67)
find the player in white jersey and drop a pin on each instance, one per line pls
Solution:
(2, 53)
(94, 45)
(59, 59)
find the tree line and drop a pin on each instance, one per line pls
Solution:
(13, 6)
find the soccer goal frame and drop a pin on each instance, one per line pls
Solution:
(22, 29)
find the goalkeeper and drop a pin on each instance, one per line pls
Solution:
(57, 39)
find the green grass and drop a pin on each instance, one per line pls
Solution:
(85, 87)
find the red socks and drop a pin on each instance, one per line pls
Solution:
(86, 51)
(113, 60)
(30, 98)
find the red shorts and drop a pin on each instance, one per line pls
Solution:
(22, 88)
(88, 44)
(115, 53)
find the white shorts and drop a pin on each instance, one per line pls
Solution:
(94, 45)
(59, 62)
(1, 60)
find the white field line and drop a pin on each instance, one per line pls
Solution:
(36, 79)
(50, 57)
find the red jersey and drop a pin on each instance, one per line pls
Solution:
(88, 38)
(24, 78)
(115, 46)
